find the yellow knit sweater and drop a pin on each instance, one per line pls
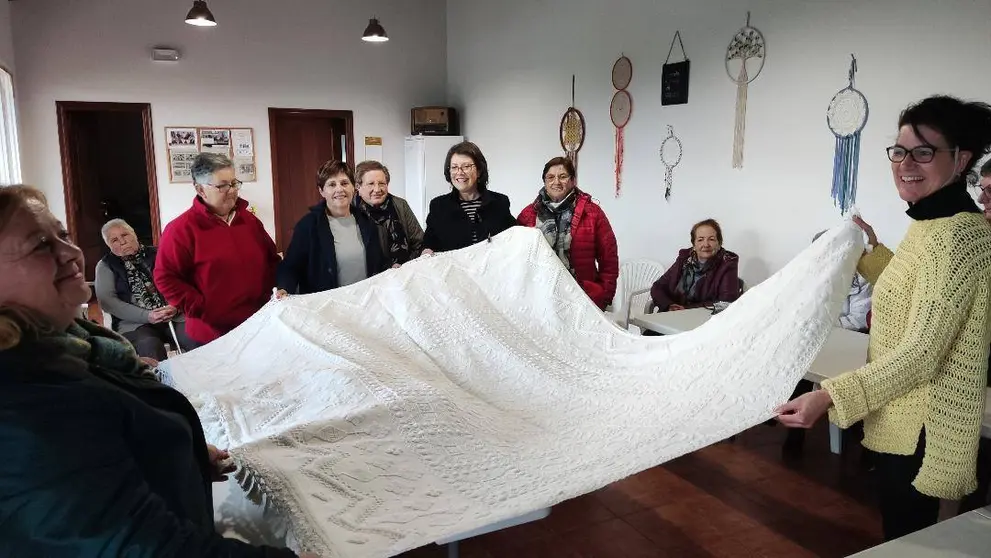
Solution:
(928, 355)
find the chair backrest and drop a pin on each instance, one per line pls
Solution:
(636, 275)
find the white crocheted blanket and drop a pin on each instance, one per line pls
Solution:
(475, 386)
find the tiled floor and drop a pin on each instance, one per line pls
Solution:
(739, 498)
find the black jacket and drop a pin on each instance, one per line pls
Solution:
(98, 464)
(448, 226)
(310, 263)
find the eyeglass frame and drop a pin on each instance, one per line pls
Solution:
(911, 152)
(461, 168)
(224, 188)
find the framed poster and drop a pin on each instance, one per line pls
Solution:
(185, 142)
(183, 145)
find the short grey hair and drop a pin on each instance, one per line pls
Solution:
(105, 230)
(206, 164)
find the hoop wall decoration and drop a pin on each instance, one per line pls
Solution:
(746, 47)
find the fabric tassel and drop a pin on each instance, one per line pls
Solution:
(741, 116)
(619, 160)
(846, 161)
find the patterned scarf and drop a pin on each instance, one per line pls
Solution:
(554, 220)
(692, 274)
(143, 291)
(100, 347)
(385, 215)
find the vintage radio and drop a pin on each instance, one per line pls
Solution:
(434, 121)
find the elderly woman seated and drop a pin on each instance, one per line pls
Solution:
(99, 458)
(125, 289)
(702, 275)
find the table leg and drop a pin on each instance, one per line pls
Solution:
(452, 549)
(835, 439)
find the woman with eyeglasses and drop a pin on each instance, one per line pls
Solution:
(577, 229)
(921, 395)
(216, 264)
(471, 212)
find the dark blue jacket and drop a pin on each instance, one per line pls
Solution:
(310, 262)
(98, 463)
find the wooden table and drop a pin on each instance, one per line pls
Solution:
(964, 536)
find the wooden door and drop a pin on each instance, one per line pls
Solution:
(302, 141)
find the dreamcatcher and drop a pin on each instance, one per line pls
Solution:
(572, 130)
(846, 117)
(620, 109)
(747, 45)
(669, 166)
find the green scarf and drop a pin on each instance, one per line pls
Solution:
(100, 347)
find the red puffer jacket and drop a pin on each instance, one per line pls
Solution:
(594, 255)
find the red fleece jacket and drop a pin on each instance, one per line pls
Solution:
(217, 274)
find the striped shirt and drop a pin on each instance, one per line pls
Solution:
(471, 210)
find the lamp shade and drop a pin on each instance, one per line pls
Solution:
(374, 33)
(199, 15)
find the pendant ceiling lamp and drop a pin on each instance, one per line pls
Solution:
(199, 15)
(374, 33)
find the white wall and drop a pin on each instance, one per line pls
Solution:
(6, 38)
(510, 65)
(299, 54)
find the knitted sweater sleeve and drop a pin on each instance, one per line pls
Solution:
(871, 265)
(938, 309)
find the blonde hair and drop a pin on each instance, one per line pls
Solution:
(17, 321)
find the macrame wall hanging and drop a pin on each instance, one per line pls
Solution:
(620, 109)
(671, 151)
(572, 129)
(674, 76)
(747, 45)
(846, 117)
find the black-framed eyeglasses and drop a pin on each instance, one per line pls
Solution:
(978, 189)
(224, 188)
(920, 154)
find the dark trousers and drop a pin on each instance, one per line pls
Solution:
(149, 340)
(904, 509)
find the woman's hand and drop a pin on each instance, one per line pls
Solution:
(804, 410)
(149, 361)
(218, 468)
(675, 308)
(308, 555)
(868, 230)
(427, 252)
(163, 314)
(280, 294)
(396, 266)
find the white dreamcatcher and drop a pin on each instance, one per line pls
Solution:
(846, 117)
(670, 161)
(747, 46)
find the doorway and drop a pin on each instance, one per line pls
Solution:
(302, 141)
(108, 172)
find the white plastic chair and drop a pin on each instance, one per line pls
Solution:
(633, 288)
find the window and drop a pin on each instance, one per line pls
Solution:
(10, 151)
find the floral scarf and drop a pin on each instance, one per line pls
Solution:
(139, 279)
(386, 216)
(554, 221)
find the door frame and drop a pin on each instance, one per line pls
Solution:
(273, 115)
(64, 110)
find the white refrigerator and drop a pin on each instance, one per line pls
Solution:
(425, 157)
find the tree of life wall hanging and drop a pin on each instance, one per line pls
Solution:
(747, 47)
(620, 110)
(572, 131)
(671, 151)
(846, 117)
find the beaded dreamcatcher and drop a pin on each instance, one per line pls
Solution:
(846, 117)
(747, 47)
(620, 109)
(572, 130)
(670, 160)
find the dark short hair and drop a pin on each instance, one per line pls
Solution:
(986, 168)
(469, 149)
(965, 124)
(708, 223)
(331, 169)
(366, 167)
(565, 162)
